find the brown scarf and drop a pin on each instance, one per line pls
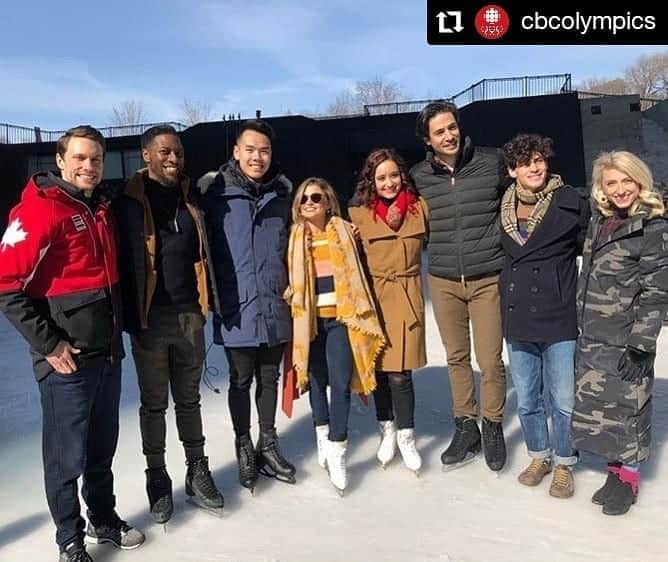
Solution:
(540, 200)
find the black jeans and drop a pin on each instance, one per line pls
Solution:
(248, 363)
(170, 353)
(331, 363)
(394, 395)
(79, 436)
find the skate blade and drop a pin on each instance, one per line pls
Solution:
(269, 473)
(216, 511)
(468, 459)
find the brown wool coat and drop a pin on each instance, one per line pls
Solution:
(393, 260)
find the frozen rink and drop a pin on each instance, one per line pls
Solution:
(468, 515)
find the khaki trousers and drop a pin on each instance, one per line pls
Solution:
(455, 304)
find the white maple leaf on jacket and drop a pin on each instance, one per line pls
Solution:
(13, 235)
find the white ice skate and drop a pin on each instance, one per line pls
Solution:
(387, 447)
(409, 453)
(336, 465)
(322, 441)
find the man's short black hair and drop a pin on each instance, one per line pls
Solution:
(519, 150)
(149, 134)
(430, 111)
(259, 126)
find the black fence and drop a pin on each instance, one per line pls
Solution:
(487, 89)
(15, 134)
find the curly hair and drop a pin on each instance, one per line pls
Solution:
(365, 190)
(519, 150)
(629, 164)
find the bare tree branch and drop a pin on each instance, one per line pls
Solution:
(375, 90)
(648, 76)
(604, 86)
(344, 104)
(129, 112)
(194, 111)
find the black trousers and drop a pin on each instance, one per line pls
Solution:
(79, 437)
(248, 363)
(394, 396)
(170, 354)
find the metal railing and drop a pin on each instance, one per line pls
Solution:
(487, 89)
(15, 134)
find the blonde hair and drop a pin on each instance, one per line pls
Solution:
(627, 163)
(323, 184)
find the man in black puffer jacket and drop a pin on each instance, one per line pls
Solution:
(462, 186)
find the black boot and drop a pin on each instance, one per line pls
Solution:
(465, 443)
(494, 445)
(246, 461)
(159, 491)
(270, 461)
(602, 495)
(620, 498)
(200, 487)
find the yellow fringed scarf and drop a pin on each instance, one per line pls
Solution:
(355, 308)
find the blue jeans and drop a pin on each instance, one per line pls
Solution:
(331, 362)
(79, 437)
(533, 366)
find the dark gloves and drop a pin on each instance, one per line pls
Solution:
(635, 364)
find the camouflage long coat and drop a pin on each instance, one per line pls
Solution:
(622, 300)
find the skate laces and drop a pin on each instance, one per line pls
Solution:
(247, 457)
(271, 446)
(202, 474)
(494, 433)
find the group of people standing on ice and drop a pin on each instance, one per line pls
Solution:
(340, 301)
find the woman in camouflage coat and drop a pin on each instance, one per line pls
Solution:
(622, 300)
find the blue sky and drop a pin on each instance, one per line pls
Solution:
(62, 63)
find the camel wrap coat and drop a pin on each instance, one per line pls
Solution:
(393, 262)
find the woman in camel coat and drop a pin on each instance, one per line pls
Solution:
(392, 221)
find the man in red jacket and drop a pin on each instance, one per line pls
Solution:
(58, 287)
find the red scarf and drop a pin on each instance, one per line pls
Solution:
(393, 213)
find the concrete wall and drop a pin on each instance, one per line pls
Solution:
(658, 113)
(609, 123)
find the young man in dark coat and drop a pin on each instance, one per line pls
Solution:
(59, 288)
(544, 224)
(247, 211)
(168, 290)
(462, 185)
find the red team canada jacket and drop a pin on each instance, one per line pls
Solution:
(58, 272)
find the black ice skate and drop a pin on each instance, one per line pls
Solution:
(270, 461)
(201, 489)
(246, 460)
(494, 444)
(465, 444)
(159, 491)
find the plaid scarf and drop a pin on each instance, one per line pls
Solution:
(355, 307)
(540, 200)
